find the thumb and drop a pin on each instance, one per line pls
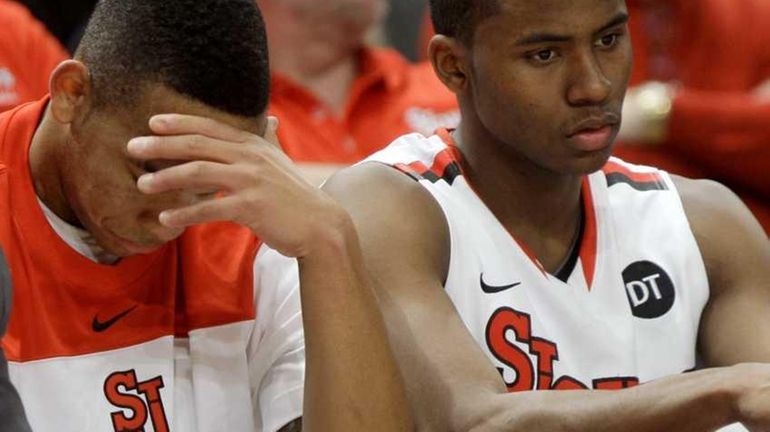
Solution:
(271, 133)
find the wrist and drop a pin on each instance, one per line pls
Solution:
(331, 235)
(732, 386)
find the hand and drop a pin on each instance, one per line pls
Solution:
(752, 403)
(762, 92)
(646, 110)
(257, 186)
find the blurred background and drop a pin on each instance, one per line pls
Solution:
(401, 29)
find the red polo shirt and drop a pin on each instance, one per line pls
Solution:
(28, 55)
(717, 128)
(390, 97)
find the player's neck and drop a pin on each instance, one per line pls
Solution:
(331, 85)
(45, 161)
(539, 207)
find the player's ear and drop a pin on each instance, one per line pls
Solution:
(449, 58)
(70, 87)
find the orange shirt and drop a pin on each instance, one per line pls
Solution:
(390, 97)
(28, 55)
(203, 279)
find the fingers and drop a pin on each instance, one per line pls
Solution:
(186, 147)
(181, 124)
(229, 208)
(196, 144)
(196, 176)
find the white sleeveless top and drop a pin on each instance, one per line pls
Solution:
(630, 307)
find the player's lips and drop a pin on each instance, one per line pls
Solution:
(594, 133)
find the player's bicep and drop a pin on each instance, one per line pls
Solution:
(735, 326)
(406, 245)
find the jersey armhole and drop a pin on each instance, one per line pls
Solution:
(426, 184)
(680, 206)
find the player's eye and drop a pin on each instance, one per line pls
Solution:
(543, 56)
(608, 41)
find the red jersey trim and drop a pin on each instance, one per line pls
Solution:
(617, 173)
(589, 243)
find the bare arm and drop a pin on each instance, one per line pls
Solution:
(735, 326)
(351, 381)
(451, 384)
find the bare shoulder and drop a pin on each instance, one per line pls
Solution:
(359, 182)
(728, 235)
(710, 201)
(398, 221)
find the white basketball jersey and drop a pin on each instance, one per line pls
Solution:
(627, 312)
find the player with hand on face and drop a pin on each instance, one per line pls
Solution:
(128, 317)
(524, 258)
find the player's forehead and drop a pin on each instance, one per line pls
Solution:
(155, 99)
(520, 18)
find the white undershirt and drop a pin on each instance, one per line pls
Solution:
(76, 238)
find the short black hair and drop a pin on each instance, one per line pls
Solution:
(214, 51)
(458, 18)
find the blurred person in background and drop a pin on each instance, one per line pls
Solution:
(699, 101)
(28, 55)
(338, 98)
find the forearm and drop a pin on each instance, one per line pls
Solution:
(352, 382)
(698, 401)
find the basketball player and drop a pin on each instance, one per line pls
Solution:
(123, 320)
(522, 258)
(11, 411)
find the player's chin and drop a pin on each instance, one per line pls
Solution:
(124, 248)
(586, 163)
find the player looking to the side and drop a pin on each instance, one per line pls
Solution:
(524, 258)
(123, 319)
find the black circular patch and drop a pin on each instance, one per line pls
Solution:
(649, 289)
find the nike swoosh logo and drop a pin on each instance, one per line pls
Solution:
(100, 326)
(494, 289)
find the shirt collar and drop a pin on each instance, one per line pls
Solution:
(376, 66)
